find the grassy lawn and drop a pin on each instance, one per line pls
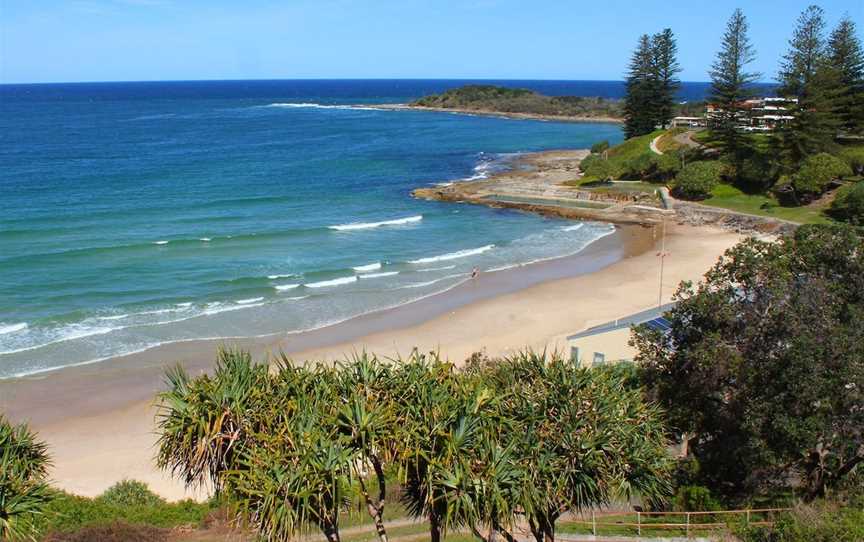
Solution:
(729, 197)
(667, 142)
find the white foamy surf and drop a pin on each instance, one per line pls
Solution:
(285, 287)
(333, 282)
(378, 275)
(454, 255)
(369, 225)
(368, 267)
(313, 105)
(248, 301)
(12, 328)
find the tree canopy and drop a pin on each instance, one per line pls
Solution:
(533, 437)
(763, 368)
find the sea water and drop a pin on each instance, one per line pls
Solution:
(137, 214)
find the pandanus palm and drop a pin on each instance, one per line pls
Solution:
(24, 491)
(203, 422)
(443, 417)
(585, 438)
(368, 426)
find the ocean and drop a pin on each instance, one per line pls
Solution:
(137, 214)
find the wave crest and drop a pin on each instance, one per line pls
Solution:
(454, 255)
(369, 225)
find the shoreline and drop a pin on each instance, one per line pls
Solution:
(98, 419)
(499, 114)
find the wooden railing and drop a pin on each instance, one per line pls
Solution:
(754, 516)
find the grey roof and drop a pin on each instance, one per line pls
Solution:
(655, 316)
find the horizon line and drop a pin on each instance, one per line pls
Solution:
(333, 79)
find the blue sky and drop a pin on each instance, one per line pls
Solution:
(131, 40)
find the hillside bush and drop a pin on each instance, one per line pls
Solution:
(599, 147)
(696, 180)
(817, 172)
(849, 203)
(824, 522)
(641, 167)
(130, 493)
(596, 167)
(695, 499)
(854, 156)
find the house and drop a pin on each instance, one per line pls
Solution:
(607, 343)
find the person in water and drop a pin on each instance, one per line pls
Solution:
(475, 273)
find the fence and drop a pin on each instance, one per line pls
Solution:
(689, 521)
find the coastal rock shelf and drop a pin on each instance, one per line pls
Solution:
(535, 184)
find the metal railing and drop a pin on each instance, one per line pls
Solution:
(750, 517)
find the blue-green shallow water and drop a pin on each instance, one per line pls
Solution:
(128, 221)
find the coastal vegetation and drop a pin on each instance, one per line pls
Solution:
(652, 84)
(805, 169)
(764, 357)
(490, 98)
(474, 449)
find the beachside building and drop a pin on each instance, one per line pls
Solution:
(758, 114)
(608, 343)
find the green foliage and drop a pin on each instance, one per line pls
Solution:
(695, 499)
(24, 492)
(817, 172)
(509, 100)
(848, 205)
(651, 84)
(697, 179)
(472, 449)
(766, 358)
(854, 156)
(823, 522)
(731, 85)
(130, 493)
(599, 147)
(72, 513)
(640, 167)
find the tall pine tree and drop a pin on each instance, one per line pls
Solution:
(806, 75)
(641, 86)
(666, 70)
(731, 85)
(846, 58)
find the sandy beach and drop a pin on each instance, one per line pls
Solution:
(98, 419)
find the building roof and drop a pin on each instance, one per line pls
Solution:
(653, 317)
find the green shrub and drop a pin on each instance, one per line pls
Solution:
(695, 499)
(668, 165)
(697, 179)
(130, 493)
(70, 513)
(817, 172)
(818, 523)
(599, 147)
(854, 156)
(849, 203)
(596, 166)
(640, 167)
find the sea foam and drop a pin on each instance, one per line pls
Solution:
(368, 267)
(312, 105)
(369, 225)
(455, 255)
(12, 328)
(285, 287)
(377, 275)
(332, 282)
